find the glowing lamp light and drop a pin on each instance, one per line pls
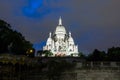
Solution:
(31, 51)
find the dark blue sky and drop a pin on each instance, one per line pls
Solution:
(93, 23)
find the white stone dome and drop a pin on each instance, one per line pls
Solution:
(71, 41)
(60, 30)
(49, 40)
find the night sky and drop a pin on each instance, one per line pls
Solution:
(93, 23)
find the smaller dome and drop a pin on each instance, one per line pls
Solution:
(70, 39)
(49, 40)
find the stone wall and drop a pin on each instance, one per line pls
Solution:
(94, 71)
(98, 75)
(24, 68)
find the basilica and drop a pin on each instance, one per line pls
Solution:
(61, 43)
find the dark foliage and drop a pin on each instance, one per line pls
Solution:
(12, 41)
(113, 54)
(46, 53)
(97, 56)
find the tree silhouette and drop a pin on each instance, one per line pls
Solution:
(113, 54)
(12, 41)
(97, 56)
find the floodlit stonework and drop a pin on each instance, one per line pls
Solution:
(61, 43)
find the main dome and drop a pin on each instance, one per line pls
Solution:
(60, 29)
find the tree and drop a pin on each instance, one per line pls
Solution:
(12, 41)
(113, 54)
(80, 54)
(4, 36)
(47, 53)
(97, 56)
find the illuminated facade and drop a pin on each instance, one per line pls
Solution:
(60, 43)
